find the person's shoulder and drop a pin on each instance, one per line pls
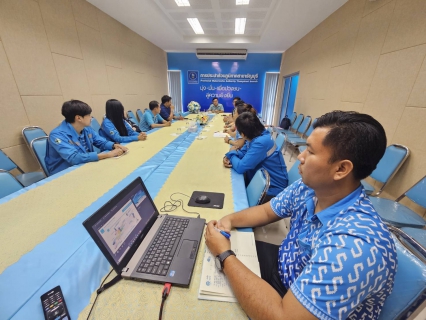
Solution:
(62, 128)
(297, 190)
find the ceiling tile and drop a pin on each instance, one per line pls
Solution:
(257, 14)
(228, 24)
(179, 15)
(250, 24)
(205, 15)
(208, 25)
(201, 4)
(231, 15)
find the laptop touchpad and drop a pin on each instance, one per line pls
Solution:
(186, 249)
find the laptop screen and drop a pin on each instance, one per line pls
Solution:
(123, 221)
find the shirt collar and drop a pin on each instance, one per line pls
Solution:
(329, 213)
(67, 127)
(149, 110)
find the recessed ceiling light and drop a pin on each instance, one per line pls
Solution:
(242, 2)
(182, 3)
(196, 26)
(240, 25)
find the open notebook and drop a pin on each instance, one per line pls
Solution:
(214, 285)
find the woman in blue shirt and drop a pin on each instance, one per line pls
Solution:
(115, 128)
(259, 151)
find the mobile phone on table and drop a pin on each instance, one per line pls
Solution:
(54, 306)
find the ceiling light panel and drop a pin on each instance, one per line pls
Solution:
(242, 2)
(196, 26)
(240, 25)
(182, 3)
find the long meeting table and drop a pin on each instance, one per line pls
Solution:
(43, 243)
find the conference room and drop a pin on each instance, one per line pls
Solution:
(178, 68)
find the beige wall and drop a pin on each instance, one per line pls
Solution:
(369, 57)
(56, 50)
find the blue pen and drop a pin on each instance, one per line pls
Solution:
(223, 233)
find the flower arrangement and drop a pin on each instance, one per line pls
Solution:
(194, 107)
(202, 119)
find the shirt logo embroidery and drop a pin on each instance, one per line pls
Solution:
(111, 132)
(57, 141)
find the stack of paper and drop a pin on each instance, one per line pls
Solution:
(214, 285)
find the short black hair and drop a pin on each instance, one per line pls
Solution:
(356, 137)
(239, 103)
(165, 99)
(236, 98)
(153, 104)
(73, 108)
(215, 99)
(249, 124)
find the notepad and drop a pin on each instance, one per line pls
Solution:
(213, 284)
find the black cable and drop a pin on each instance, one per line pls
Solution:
(97, 293)
(169, 206)
(166, 291)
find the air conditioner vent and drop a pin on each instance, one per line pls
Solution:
(224, 54)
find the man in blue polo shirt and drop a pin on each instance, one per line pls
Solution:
(72, 142)
(167, 109)
(338, 260)
(216, 107)
(151, 118)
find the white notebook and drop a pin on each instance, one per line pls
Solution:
(213, 284)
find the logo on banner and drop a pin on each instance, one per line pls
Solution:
(193, 77)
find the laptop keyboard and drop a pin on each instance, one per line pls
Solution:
(160, 254)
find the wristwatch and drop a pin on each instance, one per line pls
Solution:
(220, 258)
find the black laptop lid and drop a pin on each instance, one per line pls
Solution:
(119, 227)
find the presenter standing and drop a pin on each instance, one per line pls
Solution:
(216, 107)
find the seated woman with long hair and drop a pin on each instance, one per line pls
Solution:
(115, 128)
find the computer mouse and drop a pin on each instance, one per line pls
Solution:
(202, 199)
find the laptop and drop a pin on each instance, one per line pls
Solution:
(142, 244)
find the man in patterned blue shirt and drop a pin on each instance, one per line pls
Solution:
(338, 260)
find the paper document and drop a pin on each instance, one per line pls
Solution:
(219, 135)
(214, 285)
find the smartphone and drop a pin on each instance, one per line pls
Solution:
(54, 306)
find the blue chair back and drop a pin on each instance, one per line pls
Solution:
(293, 173)
(279, 141)
(395, 155)
(139, 113)
(257, 188)
(293, 117)
(30, 133)
(6, 163)
(95, 125)
(410, 281)
(8, 184)
(304, 125)
(132, 117)
(39, 145)
(417, 193)
(297, 122)
(311, 128)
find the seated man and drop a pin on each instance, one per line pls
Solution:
(167, 109)
(338, 260)
(259, 151)
(72, 141)
(228, 119)
(216, 107)
(151, 118)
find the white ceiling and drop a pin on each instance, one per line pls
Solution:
(272, 25)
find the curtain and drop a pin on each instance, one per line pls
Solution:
(175, 89)
(269, 93)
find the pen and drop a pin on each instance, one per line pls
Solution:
(223, 233)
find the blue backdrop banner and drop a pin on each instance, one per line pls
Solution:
(203, 80)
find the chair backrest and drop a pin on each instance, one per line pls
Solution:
(409, 289)
(6, 163)
(8, 184)
(392, 160)
(30, 133)
(139, 113)
(279, 141)
(416, 193)
(304, 125)
(297, 122)
(293, 117)
(293, 173)
(38, 145)
(95, 125)
(311, 128)
(132, 117)
(258, 186)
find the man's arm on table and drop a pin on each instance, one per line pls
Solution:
(258, 299)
